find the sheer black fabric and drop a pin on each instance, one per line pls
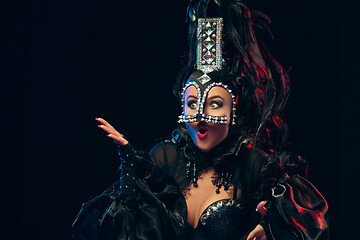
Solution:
(298, 210)
(157, 207)
(155, 210)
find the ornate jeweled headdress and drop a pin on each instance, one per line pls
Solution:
(223, 48)
(209, 49)
(209, 59)
(224, 51)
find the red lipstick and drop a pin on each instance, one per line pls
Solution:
(202, 132)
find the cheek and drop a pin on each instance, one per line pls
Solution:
(221, 131)
(227, 110)
(221, 112)
(189, 111)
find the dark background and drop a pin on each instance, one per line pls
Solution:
(63, 63)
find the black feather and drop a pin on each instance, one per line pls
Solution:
(262, 86)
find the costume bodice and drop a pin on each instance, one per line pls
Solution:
(223, 219)
(297, 211)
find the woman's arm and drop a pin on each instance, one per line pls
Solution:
(152, 208)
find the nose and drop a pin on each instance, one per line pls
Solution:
(199, 118)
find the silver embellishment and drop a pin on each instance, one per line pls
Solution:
(217, 209)
(209, 38)
(208, 59)
(201, 102)
(204, 78)
(278, 195)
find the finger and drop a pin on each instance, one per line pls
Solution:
(258, 233)
(119, 140)
(101, 120)
(106, 129)
(109, 130)
(261, 236)
(104, 122)
(261, 208)
(251, 235)
(108, 126)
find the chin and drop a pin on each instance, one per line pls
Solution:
(204, 148)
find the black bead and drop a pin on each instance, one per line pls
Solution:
(217, 191)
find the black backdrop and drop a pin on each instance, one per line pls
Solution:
(63, 63)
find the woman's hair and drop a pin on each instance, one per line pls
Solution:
(259, 82)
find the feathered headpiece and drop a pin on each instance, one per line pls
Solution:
(257, 81)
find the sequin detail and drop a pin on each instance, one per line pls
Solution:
(217, 209)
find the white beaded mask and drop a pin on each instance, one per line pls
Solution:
(203, 88)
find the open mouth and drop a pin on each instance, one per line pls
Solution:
(202, 132)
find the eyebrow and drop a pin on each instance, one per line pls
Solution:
(216, 96)
(191, 96)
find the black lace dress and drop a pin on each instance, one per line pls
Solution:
(148, 202)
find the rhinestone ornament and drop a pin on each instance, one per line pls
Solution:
(209, 52)
(200, 115)
(217, 209)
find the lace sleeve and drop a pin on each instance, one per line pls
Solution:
(144, 204)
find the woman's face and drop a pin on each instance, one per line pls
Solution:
(218, 103)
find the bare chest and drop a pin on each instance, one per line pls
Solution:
(200, 197)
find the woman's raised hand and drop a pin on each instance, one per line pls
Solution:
(112, 133)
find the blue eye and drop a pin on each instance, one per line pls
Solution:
(192, 104)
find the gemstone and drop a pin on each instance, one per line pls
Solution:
(204, 79)
(209, 31)
(208, 57)
(208, 43)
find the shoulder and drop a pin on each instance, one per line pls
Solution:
(163, 153)
(256, 154)
(163, 147)
(249, 170)
(258, 163)
(254, 158)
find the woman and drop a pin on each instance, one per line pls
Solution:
(211, 180)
